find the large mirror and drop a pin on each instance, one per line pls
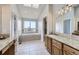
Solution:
(65, 23)
(66, 26)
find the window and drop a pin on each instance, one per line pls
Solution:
(29, 26)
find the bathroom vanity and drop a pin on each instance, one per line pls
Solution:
(61, 45)
(7, 47)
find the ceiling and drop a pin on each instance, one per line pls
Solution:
(29, 12)
(34, 13)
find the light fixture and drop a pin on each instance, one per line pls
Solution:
(70, 8)
(62, 10)
(65, 9)
(58, 12)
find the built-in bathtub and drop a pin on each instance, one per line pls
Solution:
(29, 37)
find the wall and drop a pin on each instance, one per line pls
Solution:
(76, 15)
(6, 18)
(15, 12)
(47, 12)
(50, 20)
(41, 17)
(29, 13)
(0, 19)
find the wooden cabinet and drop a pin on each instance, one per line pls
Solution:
(45, 39)
(67, 50)
(9, 49)
(56, 47)
(48, 44)
(56, 51)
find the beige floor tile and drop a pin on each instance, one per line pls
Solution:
(35, 47)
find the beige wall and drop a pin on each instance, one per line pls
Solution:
(41, 17)
(14, 11)
(30, 13)
(6, 18)
(0, 19)
(76, 14)
(50, 19)
(8, 12)
(47, 12)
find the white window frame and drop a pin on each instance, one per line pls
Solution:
(24, 32)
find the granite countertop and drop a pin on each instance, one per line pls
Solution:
(4, 43)
(73, 42)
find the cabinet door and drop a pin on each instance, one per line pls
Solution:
(10, 50)
(49, 45)
(56, 51)
(67, 53)
(56, 47)
(67, 50)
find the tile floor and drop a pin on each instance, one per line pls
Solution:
(35, 47)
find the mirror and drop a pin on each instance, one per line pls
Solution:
(67, 26)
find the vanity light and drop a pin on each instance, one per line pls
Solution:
(62, 11)
(58, 12)
(70, 8)
(65, 9)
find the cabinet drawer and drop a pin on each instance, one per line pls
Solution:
(70, 50)
(57, 44)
